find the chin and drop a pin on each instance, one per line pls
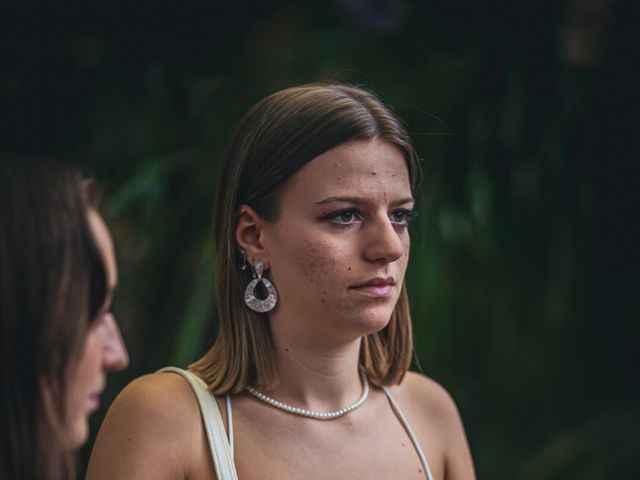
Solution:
(372, 321)
(77, 433)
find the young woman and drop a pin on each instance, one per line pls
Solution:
(57, 336)
(310, 365)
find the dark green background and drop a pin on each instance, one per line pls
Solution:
(524, 273)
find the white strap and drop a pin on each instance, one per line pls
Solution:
(230, 424)
(218, 443)
(407, 427)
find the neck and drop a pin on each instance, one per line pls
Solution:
(315, 375)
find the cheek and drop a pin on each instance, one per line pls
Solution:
(404, 261)
(318, 262)
(86, 377)
(89, 362)
(85, 380)
(314, 268)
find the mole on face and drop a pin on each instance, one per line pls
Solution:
(373, 172)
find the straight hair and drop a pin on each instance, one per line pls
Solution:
(52, 284)
(273, 141)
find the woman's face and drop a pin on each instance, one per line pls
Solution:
(338, 251)
(103, 351)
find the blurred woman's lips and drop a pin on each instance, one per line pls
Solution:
(94, 401)
(94, 398)
(378, 287)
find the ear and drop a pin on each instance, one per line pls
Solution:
(250, 233)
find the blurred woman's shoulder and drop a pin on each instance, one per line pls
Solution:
(153, 426)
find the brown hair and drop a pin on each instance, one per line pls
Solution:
(274, 140)
(52, 284)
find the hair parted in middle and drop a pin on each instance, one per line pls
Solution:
(273, 141)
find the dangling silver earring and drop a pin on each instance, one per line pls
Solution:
(243, 259)
(253, 302)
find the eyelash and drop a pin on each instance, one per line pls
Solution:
(408, 215)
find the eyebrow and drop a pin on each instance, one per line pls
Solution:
(357, 200)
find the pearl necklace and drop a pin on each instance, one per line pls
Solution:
(310, 413)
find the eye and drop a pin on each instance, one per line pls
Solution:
(402, 216)
(343, 217)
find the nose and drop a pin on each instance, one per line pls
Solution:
(115, 356)
(384, 243)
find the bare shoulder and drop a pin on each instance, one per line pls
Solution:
(150, 431)
(426, 397)
(432, 409)
(165, 394)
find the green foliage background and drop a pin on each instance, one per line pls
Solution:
(524, 271)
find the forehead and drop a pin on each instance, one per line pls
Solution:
(364, 167)
(104, 242)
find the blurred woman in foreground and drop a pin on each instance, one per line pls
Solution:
(58, 338)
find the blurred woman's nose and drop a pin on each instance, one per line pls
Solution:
(116, 356)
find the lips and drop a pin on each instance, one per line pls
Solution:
(376, 282)
(94, 397)
(94, 400)
(376, 287)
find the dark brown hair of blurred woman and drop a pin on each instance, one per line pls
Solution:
(52, 284)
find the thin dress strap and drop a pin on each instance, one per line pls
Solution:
(407, 428)
(230, 424)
